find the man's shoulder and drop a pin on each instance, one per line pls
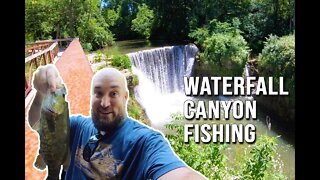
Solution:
(80, 120)
(79, 117)
(140, 130)
(137, 126)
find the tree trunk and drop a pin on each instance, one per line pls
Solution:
(71, 16)
(58, 31)
(101, 1)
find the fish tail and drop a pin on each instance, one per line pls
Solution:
(53, 173)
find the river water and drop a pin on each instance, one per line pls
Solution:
(129, 46)
(160, 93)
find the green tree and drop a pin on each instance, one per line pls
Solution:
(52, 19)
(111, 16)
(39, 24)
(258, 18)
(124, 11)
(94, 31)
(144, 21)
(223, 45)
(171, 22)
(278, 59)
(92, 27)
(267, 17)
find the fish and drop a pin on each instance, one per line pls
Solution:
(54, 134)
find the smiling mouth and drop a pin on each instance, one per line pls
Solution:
(104, 112)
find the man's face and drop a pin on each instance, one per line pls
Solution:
(108, 101)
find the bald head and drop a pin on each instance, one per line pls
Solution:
(109, 98)
(110, 75)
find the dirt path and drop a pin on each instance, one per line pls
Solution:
(76, 73)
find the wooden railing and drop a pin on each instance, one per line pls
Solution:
(34, 48)
(40, 53)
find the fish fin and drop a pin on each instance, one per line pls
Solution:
(40, 164)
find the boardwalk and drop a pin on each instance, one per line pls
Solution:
(76, 73)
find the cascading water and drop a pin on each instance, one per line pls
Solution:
(247, 70)
(160, 72)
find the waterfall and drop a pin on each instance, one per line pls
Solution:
(247, 74)
(160, 72)
(247, 70)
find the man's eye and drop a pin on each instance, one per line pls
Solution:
(113, 94)
(99, 94)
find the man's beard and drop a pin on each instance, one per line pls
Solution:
(105, 125)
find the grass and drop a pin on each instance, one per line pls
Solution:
(135, 110)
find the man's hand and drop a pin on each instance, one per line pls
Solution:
(46, 78)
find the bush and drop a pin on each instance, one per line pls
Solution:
(210, 160)
(136, 111)
(262, 153)
(228, 52)
(135, 80)
(87, 47)
(121, 61)
(98, 57)
(278, 59)
(223, 45)
(205, 158)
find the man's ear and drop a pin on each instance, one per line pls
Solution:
(126, 95)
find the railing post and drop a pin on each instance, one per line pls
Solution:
(44, 59)
(50, 57)
(35, 61)
(41, 51)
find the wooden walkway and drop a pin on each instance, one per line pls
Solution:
(76, 73)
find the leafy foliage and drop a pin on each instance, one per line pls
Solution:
(223, 45)
(54, 19)
(98, 57)
(136, 111)
(86, 47)
(166, 20)
(262, 152)
(144, 21)
(121, 61)
(112, 16)
(120, 14)
(135, 80)
(95, 32)
(210, 160)
(267, 17)
(278, 59)
(39, 23)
